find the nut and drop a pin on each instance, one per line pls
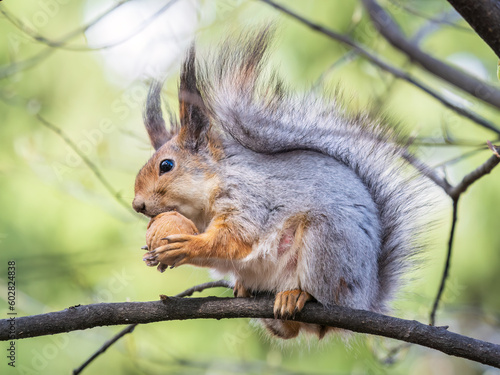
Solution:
(166, 224)
(161, 226)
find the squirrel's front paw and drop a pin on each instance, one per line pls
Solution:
(179, 250)
(287, 303)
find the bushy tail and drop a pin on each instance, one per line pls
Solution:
(256, 112)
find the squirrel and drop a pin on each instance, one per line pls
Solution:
(291, 194)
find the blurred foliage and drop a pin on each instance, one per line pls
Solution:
(74, 243)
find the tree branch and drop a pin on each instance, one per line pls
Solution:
(387, 67)
(130, 328)
(473, 176)
(484, 18)
(455, 191)
(446, 271)
(104, 314)
(392, 33)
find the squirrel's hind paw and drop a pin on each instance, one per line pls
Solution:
(287, 303)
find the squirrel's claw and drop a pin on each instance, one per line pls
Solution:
(240, 291)
(287, 303)
(172, 255)
(150, 257)
(165, 248)
(151, 263)
(301, 301)
(177, 238)
(162, 267)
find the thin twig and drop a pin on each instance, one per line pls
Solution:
(455, 193)
(200, 288)
(387, 67)
(457, 159)
(427, 171)
(130, 328)
(105, 347)
(63, 42)
(444, 277)
(11, 69)
(87, 161)
(475, 175)
(438, 142)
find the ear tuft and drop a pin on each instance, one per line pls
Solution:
(192, 111)
(153, 117)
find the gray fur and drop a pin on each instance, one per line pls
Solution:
(344, 230)
(268, 121)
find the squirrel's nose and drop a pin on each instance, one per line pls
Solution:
(139, 205)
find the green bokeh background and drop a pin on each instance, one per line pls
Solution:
(74, 243)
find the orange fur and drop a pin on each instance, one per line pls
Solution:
(219, 242)
(282, 329)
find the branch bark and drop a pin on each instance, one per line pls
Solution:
(484, 18)
(473, 176)
(104, 314)
(392, 33)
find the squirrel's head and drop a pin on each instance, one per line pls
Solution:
(181, 174)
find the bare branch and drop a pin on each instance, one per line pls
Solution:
(6, 71)
(432, 318)
(392, 33)
(200, 288)
(104, 314)
(427, 171)
(472, 177)
(18, 66)
(456, 159)
(130, 328)
(105, 347)
(62, 43)
(87, 161)
(455, 193)
(484, 17)
(388, 68)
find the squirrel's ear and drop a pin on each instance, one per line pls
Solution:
(192, 111)
(153, 118)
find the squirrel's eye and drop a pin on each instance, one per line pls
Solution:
(166, 166)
